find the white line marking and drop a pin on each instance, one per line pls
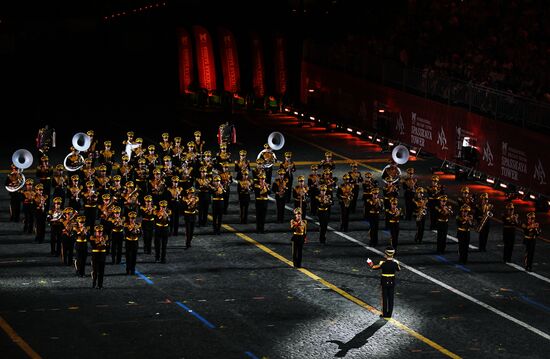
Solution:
(438, 282)
(454, 239)
(513, 265)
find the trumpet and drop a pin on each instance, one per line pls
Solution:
(486, 215)
(448, 210)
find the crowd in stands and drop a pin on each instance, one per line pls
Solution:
(502, 44)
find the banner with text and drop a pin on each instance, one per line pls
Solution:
(507, 152)
(258, 80)
(280, 65)
(185, 60)
(230, 61)
(205, 58)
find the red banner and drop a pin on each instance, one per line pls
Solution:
(205, 58)
(185, 60)
(280, 65)
(258, 83)
(507, 152)
(230, 61)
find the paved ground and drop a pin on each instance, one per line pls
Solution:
(236, 296)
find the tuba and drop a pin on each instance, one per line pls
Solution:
(400, 155)
(81, 142)
(22, 159)
(276, 141)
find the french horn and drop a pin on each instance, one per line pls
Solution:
(22, 159)
(81, 142)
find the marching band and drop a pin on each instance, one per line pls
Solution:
(145, 195)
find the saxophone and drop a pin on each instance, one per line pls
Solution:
(282, 187)
(346, 195)
(422, 209)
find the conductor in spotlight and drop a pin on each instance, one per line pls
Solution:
(389, 266)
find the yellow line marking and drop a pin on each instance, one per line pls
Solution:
(21, 343)
(342, 292)
(366, 160)
(348, 159)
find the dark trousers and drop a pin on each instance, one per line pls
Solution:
(147, 236)
(40, 217)
(409, 195)
(261, 212)
(388, 288)
(433, 213)
(484, 236)
(29, 218)
(131, 256)
(244, 201)
(323, 224)
(353, 203)
(91, 214)
(67, 248)
(161, 241)
(509, 237)
(116, 247)
(55, 239)
(280, 208)
(297, 247)
(217, 213)
(373, 222)
(420, 230)
(189, 229)
(98, 268)
(529, 253)
(226, 199)
(463, 245)
(174, 219)
(344, 217)
(81, 256)
(314, 204)
(15, 206)
(442, 229)
(394, 232)
(204, 204)
(74, 204)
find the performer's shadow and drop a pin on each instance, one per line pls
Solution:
(359, 339)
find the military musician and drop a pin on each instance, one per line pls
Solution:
(444, 211)
(484, 212)
(299, 232)
(280, 187)
(244, 189)
(464, 223)
(324, 201)
(147, 213)
(420, 207)
(190, 210)
(389, 267)
(509, 222)
(100, 243)
(132, 231)
(531, 230)
(261, 192)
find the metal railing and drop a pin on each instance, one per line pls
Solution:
(484, 100)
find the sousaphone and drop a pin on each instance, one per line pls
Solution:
(81, 142)
(276, 141)
(400, 155)
(22, 159)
